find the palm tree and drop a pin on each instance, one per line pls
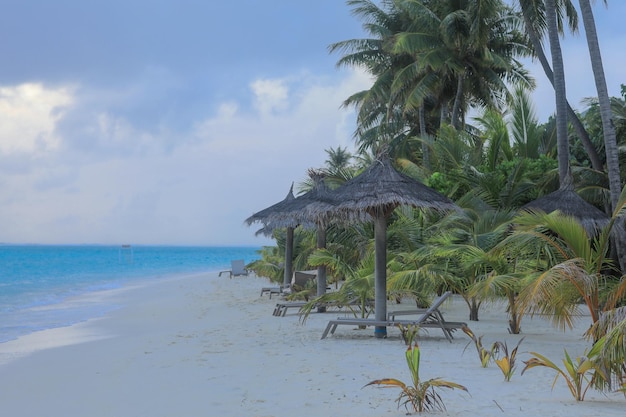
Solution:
(560, 91)
(569, 265)
(533, 13)
(338, 159)
(526, 132)
(608, 128)
(471, 46)
(610, 333)
(357, 288)
(272, 261)
(377, 118)
(610, 140)
(458, 253)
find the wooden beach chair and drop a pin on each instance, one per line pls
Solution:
(237, 268)
(430, 317)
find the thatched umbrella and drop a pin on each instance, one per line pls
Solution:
(297, 211)
(292, 212)
(374, 195)
(264, 217)
(568, 202)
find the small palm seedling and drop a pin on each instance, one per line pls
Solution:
(409, 333)
(504, 360)
(577, 374)
(484, 355)
(423, 395)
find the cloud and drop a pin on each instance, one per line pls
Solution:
(270, 96)
(109, 179)
(28, 115)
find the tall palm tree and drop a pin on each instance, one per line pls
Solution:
(533, 13)
(608, 128)
(338, 159)
(610, 140)
(471, 46)
(377, 117)
(560, 92)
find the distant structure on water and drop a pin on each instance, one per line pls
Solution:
(126, 254)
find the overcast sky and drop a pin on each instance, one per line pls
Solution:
(171, 122)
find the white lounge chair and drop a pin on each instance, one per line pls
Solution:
(237, 268)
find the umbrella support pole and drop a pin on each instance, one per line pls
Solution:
(380, 273)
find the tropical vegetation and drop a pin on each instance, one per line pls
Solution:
(434, 64)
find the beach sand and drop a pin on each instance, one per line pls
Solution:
(209, 346)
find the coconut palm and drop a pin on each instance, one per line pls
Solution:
(472, 46)
(610, 141)
(569, 266)
(610, 333)
(593, 122)
(355, 293)
(338, 159)
(559, 90)
(458, 253)
(533, 13)
(608, 128)
(526, 132)
(376, 117)
(411, 274)
(272, 260)
(473, 239)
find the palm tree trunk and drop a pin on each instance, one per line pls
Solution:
(425, 149)
(610, 140)
(560, 93)
(474, 308)
(514, 321)
(596, 163)
(443, 116)
(456, 108)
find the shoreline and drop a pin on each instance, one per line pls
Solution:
(204, 345)
(104, 301)
(88, 303)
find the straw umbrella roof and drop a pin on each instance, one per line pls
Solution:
(568, 202)
(372, 196)
(379, 190)
(264, 215)
(293, 212)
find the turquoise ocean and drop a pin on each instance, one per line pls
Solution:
(48, 286)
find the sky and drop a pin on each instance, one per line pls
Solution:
(172, 121)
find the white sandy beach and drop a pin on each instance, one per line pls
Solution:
(209, 346)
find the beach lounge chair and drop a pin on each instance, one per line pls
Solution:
(272, 290)
(302, 280)
(430, 317)
(237, 268)
(432, 310)
(281, 308)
